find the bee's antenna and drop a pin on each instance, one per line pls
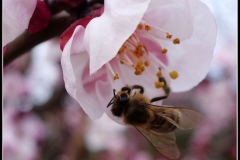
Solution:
(111, 102)
(114, 93)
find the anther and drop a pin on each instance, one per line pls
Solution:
(159, 84)
(146, 63)
(147, 27)
(121, 50)
(121, 62)
(169, 36)
(137, 72)
(111, 70)
(140, 26)
(164, 51)
(116, 77)
(138, 50)
(173, 74)
(176, 41)
(139, 64)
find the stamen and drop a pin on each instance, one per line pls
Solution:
(122, 49)
(140, 26)
(176, 41)
(133, 55)
(169, 36)
(147, 63)
(139, 64)
(164, 51)
(138, 50)
(156, 40)
(135, 37)
(128, 60)
(133, 40)
(173, 74)
(147, 27)
(115, 76)
(137, 72)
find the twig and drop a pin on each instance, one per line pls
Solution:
(26, 41)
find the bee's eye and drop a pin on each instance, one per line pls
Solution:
(124, 98)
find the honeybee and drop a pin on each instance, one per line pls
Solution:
(155, 123)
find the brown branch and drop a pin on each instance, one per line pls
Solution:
(26, 41)
(92, 2)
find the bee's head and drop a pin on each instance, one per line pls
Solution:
(123, 98)
(118, 102)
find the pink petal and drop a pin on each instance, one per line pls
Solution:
(83, 22)
(67, 34)
(78, 82)
(16, 17)
(105, 35)
(173, 16)
(40, 17)
(192, 57)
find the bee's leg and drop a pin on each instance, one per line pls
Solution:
(126, 89)
(166, 89)
(138, 87)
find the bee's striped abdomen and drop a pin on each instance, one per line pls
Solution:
(162, 125)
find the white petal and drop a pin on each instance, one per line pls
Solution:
(16, 17)
(105, 35)
(192, 57)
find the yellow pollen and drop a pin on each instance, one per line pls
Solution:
(121, 50)
(140, 26)
(159, 74)
(173, 74)
(176, 41)
(169, 36)
(116, 77)
(139, 64)
(137, 72)
(159, 84)
(142, 68)
(164, 51)
(138, 50)
(146, 63)
(147, 27)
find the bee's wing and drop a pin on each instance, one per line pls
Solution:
(164, 143)
(183, 118)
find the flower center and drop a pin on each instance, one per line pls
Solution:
(135, 55)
